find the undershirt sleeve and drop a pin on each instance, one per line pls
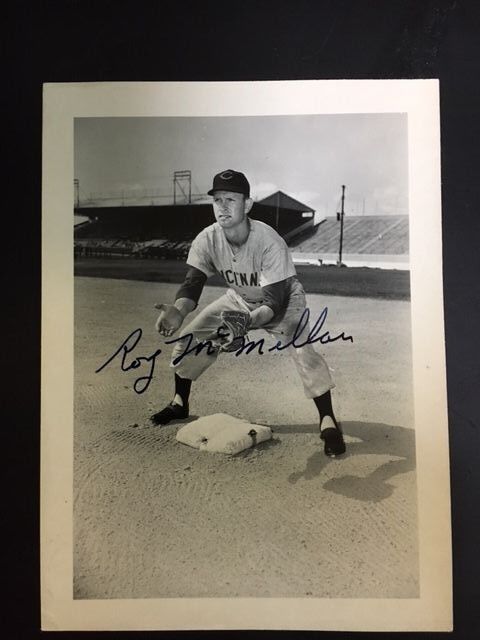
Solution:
(193, 284)
(275, 295)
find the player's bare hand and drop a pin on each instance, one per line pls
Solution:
(169, 320)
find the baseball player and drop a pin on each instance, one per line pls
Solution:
(263, 289)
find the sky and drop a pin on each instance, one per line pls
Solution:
(309, 157)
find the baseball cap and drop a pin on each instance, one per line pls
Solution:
(230, 180)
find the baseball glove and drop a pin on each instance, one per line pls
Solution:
(229, 336)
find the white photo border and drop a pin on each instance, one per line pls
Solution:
(419, 99)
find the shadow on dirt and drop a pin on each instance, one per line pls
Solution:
(374, 439)
(259, 448)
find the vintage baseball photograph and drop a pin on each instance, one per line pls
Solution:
(244, 386)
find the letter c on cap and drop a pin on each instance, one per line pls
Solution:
(226, 175)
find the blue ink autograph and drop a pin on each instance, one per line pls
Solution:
(247, 346)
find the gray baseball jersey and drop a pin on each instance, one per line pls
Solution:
(264, 259)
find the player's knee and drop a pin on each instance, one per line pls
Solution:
(192, 345)
(289, 327)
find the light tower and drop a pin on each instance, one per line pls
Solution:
(76, 189)
(340, 216)
(182, 179)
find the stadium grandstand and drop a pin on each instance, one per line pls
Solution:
(143, 225)
(374, 241)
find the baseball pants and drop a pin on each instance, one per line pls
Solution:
(311, 366)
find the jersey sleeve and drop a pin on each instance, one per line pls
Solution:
(199, 256)
(277, 265)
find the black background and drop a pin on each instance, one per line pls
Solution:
(73, 41)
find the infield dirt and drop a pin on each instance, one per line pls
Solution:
(154, 518)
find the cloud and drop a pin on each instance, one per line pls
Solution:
(263, 189)
(307, 197)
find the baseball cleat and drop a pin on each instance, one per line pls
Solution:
(172, 411)
(332, 436)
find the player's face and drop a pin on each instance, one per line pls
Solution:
(230, 208)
